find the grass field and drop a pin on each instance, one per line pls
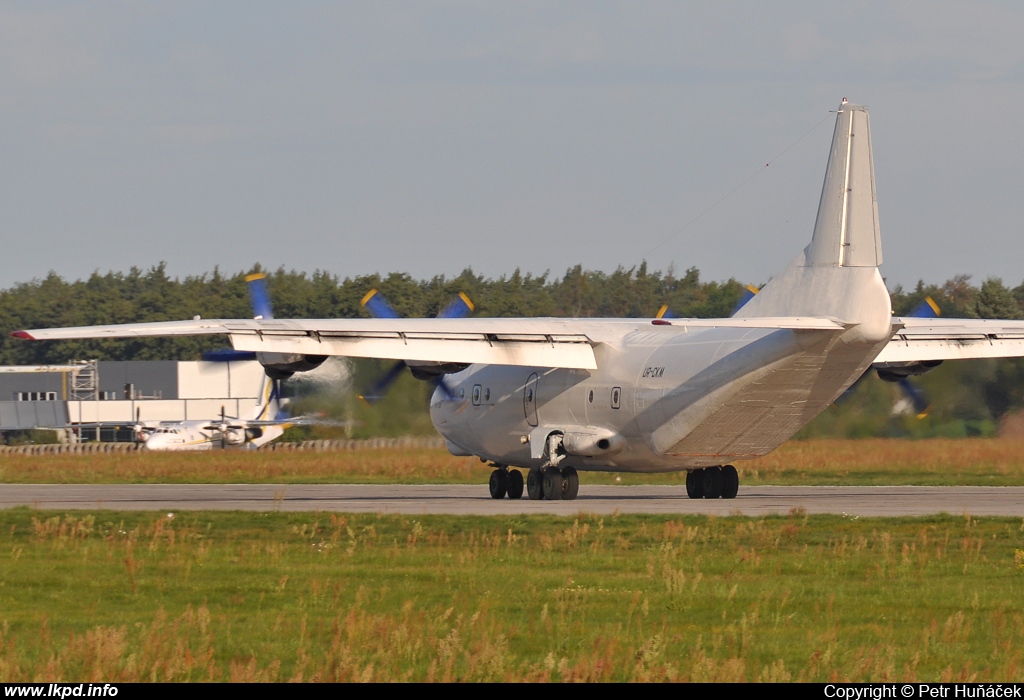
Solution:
(110, 596)
(228, 596)
(991, 462)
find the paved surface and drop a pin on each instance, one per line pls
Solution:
(474, 500)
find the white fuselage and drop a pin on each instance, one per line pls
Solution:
(189, 435)
(664, 398)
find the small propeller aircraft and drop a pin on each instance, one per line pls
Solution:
(267, 423)
(557, 396)
(269, 417)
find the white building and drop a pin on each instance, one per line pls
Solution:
(123, 392)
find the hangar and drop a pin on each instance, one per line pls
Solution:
(90, 400)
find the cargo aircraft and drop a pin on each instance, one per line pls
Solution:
(558, 396)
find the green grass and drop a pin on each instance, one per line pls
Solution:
(239, 596)
(933, 462)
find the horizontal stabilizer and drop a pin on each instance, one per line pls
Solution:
(931, 339)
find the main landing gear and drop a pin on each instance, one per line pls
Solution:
(547, 484)
(553, 484)
(506, 482)
(713, 482)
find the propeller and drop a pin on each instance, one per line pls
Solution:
(746, 295)
(228, 355)
(378, 307)
(259, 301)
(141, 431)
(926, 309)
(259, 296)
(914, 396)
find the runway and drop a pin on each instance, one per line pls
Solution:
(860, 501)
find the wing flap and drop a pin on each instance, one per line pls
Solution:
(537, 352)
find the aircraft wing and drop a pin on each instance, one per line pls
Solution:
(540, 342)
(929, 339)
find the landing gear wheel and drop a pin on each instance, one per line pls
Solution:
(515, 484)
(730, 481)
(570, 484)
(498, 483)
(552, 484)
(535, 485)
(695, 483)
(712, 482)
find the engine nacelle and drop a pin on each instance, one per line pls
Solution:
(234, 436)
(279, 365)
(898, 371)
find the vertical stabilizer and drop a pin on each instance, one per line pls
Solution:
(846, 232)
(836, 276)
(268, 404)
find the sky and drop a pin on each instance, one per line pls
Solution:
(430, 137)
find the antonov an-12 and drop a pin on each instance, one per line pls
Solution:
(558, 396)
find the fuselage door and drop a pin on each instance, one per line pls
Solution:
(530, 399)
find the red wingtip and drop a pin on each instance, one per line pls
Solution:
(24, 335)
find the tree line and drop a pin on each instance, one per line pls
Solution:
(635, 292)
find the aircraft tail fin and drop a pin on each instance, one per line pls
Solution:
(846, 232)
(269, 404)
(836, 276)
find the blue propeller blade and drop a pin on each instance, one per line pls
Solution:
(228, 355)
(746, 295)
(441, 384)
(926, 309)
(460, 308)
(377, 306)
(376, 392)
(259, 297)
(916, 396)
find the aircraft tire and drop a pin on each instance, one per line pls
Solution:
(712, 482)
(730, 481)
(515, 484)
(498, 483)
(695, 483)
(570, 484)
(552, 484)
(535, 485)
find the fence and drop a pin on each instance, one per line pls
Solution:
(401, 443)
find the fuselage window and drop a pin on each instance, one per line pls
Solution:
(590, 396)
(476, 394)
(616, 395)
(487, 394)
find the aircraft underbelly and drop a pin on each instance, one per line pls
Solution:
(772, 406)
(762, 416)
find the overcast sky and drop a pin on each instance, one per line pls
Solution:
(427, 137)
